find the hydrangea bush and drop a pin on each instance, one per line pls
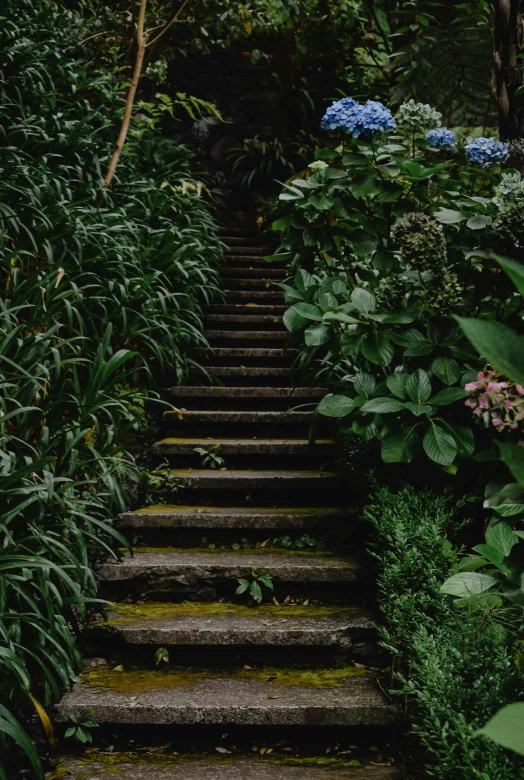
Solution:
(393, 232)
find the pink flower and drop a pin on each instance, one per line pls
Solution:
(496, 400)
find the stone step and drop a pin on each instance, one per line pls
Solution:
(238, 283)
(219, 623)
(228, 417)
(292, 393)
(239, 240)
(255, 295)
(239, 230)
(186, 566)
(256, 478)
(245, 319)
(128, 766)
(247, 447)
(244, 250)
(247, 273)
(172, 516)
(253, 261)
(306, 696)
(250, 308)
(240, 352)
(258, 335)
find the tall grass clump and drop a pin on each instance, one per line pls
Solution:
(451, 668)
(100, 292)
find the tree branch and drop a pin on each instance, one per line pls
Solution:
(166, 28)
(141, 43)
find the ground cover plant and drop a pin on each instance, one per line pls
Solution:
(99, 290)
(451, 668)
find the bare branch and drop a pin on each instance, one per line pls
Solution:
(166, 28)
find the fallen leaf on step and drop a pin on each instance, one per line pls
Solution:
(275, 601)
(269, 750)
(222, 750)
(133, 698)
(247, 667)
(179, 413)
(91, 750)
(284, 620)
(118, 668)
(306, 602)
(251, 304)
(359, 666)
(287, 600)
(268, 623)
(264, 542)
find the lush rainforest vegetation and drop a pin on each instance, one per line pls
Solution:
(393, 183)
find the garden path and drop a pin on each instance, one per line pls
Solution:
(284, 674)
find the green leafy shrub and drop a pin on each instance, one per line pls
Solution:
(99, 290)
(394, 238)
(450, 668)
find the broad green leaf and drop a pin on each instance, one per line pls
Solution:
(479, 221)
(293, 320)
(363, 300)
(506, 728)
(304, 280)
(439, 445)
(418, 409)
(339, 286)
(418, 386)
(446, 369)
(243, 586)
(336, 406)
(316, 335)
(378, 349)
(502, 537)
(513, 457)
(401, 446)
(498, 344)
(468, 583)
(327, 301)
(509, 510)
(382, 406)
(449, 216)
(340, 316)
(255, 591)
(491, 554)
(448, 396)
(362, 185)
(397, 384)
(463, 436)
(308, 311)
(364, 383)
(283, 223)
(514, 270)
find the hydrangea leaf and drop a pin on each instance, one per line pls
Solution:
(506, 728)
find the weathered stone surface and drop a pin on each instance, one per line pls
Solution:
(179, 446)
(256, 295)
(204, 415)
(186, 567)
(237, 283)
(254, 478)
(244, 319)
(260, 335)
(322, 697)
(170, 516)
(246, 371)
(162, 767)
(265, 273)
(232, 624)
(250, 308)
(258, 352)
(244, 250)
(249, 392)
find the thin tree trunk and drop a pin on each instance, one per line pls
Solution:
(141, 43)
(508, 73)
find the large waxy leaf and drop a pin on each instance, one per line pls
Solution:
(382, 406)
(448, 396)
(316, 335)
(446, 369)
(468, 583)
(378, 349)
(401, 446)
(439, 445)
(336, 406)
(506, 728)
(363, 300)
(293, 320)
(308, 311)
(418, 386)
(498, 344)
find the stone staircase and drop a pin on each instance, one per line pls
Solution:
(245, 692)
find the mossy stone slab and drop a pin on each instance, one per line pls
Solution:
(134, 767)
(271, 697)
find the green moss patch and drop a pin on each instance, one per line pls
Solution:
(143, 680)
(218, 551)
(154, 611)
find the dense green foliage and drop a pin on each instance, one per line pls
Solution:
(394, 238)
(99, 289)
(451, 668)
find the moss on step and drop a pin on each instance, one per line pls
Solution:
(130, 613)
(231, 551)
(334, 762)
(143, 680)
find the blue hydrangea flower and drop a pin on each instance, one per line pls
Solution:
(373, 118)
(441, 138)
(487, 151)
(341, 115)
